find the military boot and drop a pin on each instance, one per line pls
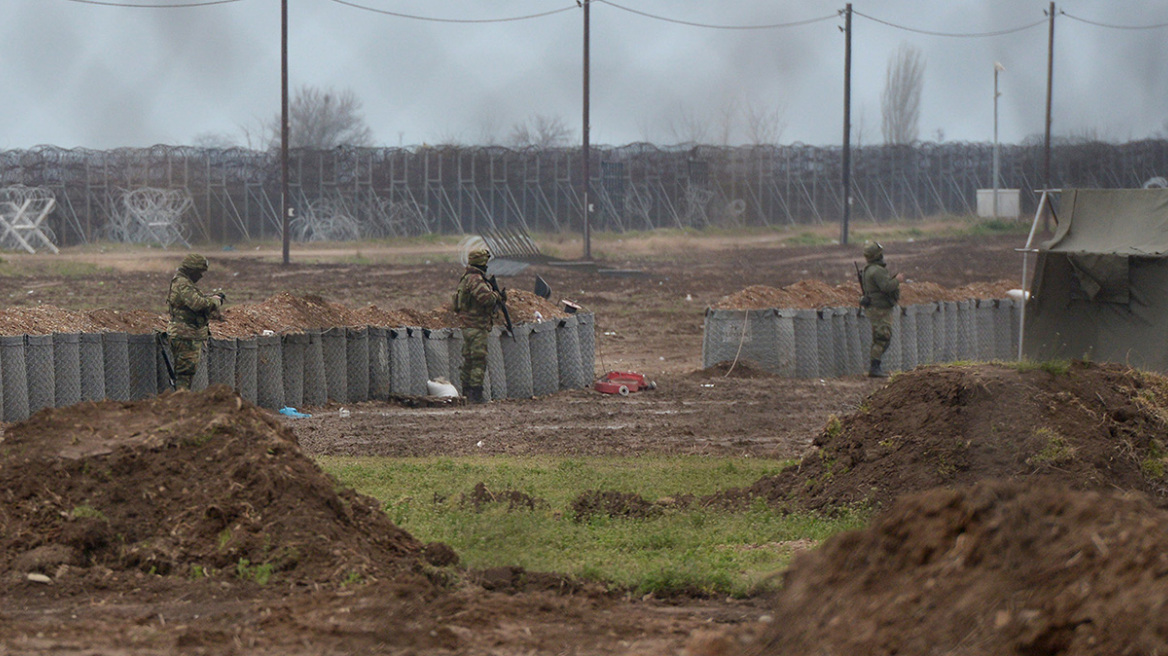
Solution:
(874, 371)
(475, 394)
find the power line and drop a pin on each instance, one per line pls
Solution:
(452, 20)
(964, 35)
(181, 5)
(716, 27)
(1114, 27)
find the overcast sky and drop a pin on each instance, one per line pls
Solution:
(86, 74)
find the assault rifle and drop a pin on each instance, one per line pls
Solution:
(864, 300)
(164, 347)
(502, 305)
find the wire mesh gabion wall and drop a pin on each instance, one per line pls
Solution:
(356, 193)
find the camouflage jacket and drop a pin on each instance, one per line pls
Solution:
(475, 301)
(189, 309)
(880, 286)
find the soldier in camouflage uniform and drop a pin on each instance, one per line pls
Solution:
(476, 302)
(190, 309)
(881, 294)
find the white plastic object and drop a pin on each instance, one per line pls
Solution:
(624, 390)
(435, 388)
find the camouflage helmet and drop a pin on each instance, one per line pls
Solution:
(873, 251)
(478, 257)
(194, 262)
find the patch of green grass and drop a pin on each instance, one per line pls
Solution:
(1155, 464)
(84, 511)
(261, 573)
(809, 239)
(679, 548)
(1055, 449)
(998, 227)
(57, 268)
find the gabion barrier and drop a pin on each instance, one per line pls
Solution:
(341, 364)
(832, 342)
(66, 369)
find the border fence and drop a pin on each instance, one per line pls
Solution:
(310, 368)
(351, 193)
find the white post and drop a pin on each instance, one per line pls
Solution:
(997, 69)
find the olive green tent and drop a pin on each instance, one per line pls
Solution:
(1100, 287)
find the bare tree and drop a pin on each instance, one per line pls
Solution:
(686, 126)
(764, 125)
(321, 119)
(219, 140)
(726, 120)
(900, 104)
(540, 131)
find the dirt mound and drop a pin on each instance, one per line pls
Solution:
(281, 313)
(998, 568)
(610, 503)
(813, 294)
(482, 498)
(1087, 426)
(189, 485)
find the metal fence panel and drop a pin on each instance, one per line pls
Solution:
(142, 357)
(545, 365)
(517, 361)
(14, 374)
(38, 360)
(357, 363)
(336, 364)
(116, 351)
(66, 369)
(269, 372)
(246, 368)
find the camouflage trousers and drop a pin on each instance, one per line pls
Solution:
(881, 320)
(186, 354)
(474, 357)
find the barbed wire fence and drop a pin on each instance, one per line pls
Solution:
(149, 215)
(230, 195)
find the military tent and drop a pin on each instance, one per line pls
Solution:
(1100, 288)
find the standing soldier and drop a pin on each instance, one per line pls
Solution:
(190, 309)
(476, 302)
(881, 293)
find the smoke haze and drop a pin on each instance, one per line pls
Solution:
(83, 75)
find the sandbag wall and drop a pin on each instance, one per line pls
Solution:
(831, 342)
(344, 365)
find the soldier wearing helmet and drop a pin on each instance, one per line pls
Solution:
(476, 302)
(881, 293)
(190, 309)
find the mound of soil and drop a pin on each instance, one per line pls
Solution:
(482, 498)
(997, 568)
(813, 294)
(188, 485)
(1091, 426)
(281, 313)
(610, 503)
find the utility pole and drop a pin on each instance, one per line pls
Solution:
(998, 68)
(586, 155)
(847, 163)
(285, 209)
(1049, 85)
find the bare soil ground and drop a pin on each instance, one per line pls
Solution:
(204, 483)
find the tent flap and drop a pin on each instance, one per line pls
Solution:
(1112, 221)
